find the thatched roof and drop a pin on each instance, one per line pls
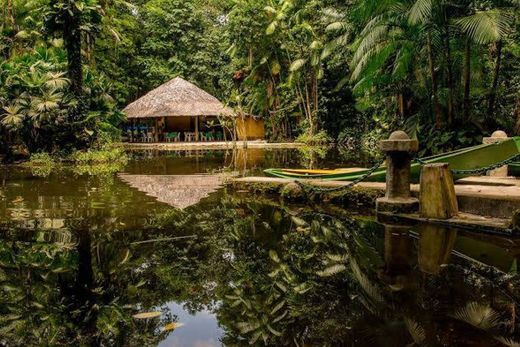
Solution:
(176, 191)
(176, 98)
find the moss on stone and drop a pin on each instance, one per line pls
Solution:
(292, 192)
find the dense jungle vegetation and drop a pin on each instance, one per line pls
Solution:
(445, 71)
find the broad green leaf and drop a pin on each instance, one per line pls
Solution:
(271, 28)
(274, 256)
(297, 65)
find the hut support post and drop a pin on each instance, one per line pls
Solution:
(132, 127)
(197, 129)
(156, 129)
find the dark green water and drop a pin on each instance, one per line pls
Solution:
(80, 255)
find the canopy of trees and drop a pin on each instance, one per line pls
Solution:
(447, 72)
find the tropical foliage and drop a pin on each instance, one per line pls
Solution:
(447, 72)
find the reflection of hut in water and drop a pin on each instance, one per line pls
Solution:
(177, 191)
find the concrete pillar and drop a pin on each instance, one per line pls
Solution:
(497, 136)
(438, 198)
(399, 149)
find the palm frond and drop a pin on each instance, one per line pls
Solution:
(370, 289)
(12, 117)
(369, 41)
(337, 26)
(332, 270)
(486, 26)
(416, 330)
(478, 315)
(508, 341)
(420, 12)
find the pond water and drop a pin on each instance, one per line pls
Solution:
(81, 255)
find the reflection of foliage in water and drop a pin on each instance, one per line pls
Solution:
(321, 285)
(273, 276)
(310, 156)
(92, 163)
(28, 295)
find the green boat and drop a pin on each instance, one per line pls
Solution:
(460, 160)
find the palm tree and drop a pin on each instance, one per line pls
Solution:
(484, 28)
(73, 18)
(424, 12)
(385, 51)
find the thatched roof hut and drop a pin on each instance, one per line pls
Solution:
(176, 98)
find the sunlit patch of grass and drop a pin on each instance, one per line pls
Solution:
(102, 156)
(98, 162)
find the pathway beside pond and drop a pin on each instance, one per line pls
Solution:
(211, 145)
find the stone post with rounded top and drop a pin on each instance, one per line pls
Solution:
(497, 136)
(399, 149)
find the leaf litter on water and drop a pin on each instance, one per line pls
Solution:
(146, 315)
(172, 326)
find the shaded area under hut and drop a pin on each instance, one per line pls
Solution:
(179, 111)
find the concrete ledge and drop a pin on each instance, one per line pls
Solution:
(174, 146)
(467, 221)
(397, 206)
(484, 200)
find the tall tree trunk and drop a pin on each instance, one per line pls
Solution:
(467, 79)
(435, 96)
(400, 105)
(308, 107)
(451, 107)
(10, 20)
(315, 102)
(496, 77)
(11, 14)
(72, 38)
(517, 116)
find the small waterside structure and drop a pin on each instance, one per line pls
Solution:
(179, 111)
